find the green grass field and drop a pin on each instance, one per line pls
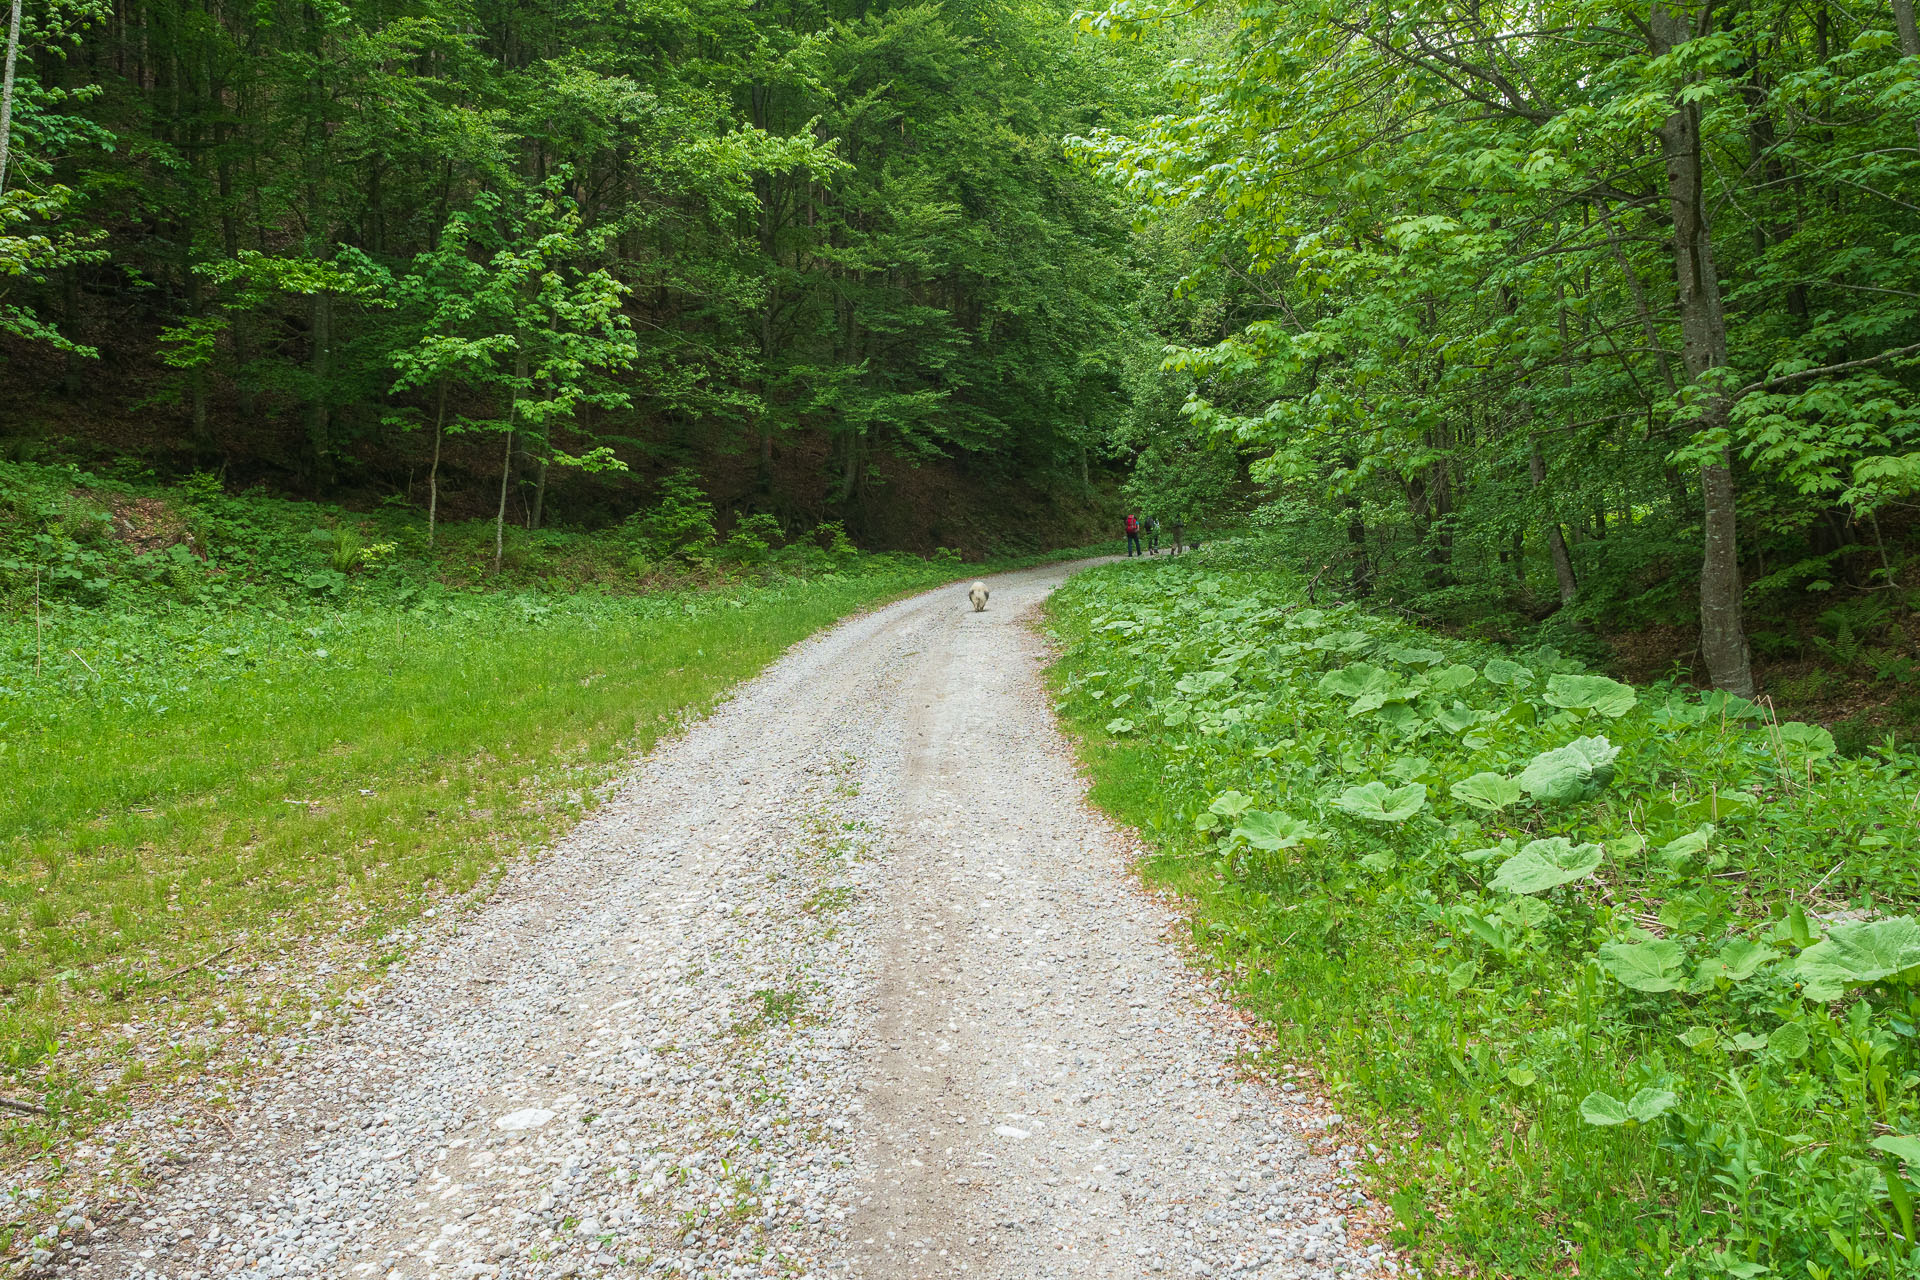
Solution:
(320, 768)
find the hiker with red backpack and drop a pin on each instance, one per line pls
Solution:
(1133, 534)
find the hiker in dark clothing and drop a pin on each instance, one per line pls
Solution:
(1133, 535)
(1176, 530)
(1153, 536)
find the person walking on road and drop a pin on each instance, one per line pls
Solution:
(1153, 536)
(1176, 530)
(1133, 534)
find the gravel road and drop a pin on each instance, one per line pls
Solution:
(847, 981)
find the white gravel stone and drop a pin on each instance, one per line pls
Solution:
(847, 981)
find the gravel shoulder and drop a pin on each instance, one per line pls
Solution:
(847, 981)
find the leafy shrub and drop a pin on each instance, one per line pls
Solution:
(1636, 964)
(680, 523)
(752, 539)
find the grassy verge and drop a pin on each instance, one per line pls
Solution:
(1624, 977)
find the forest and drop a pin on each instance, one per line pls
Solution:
(454, 251)
(1596, 319)
(414, 411)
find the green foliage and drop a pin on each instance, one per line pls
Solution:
(843, 232)
(1420, 266)
(1584, 967)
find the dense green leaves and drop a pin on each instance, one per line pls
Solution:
(1546, 864)
(1686, 943)
(1577, 312)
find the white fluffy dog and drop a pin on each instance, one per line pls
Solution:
(979, 597)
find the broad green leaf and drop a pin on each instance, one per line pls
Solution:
(1377, 802)
(1603, 1109)
(1521, 1077)
(1609, 698)
(1576, 771)
(1452, 679)
(1747, 1042)
(1649, 1105)
(1230, 804)
(1694, 1037)
(1502, 671)
(1546, 864)
(1415, 657)
(1198, 684)
(1456, 719)
(1675, 853)
(1273, 831)
(1119, 726)
(1488, 791)
(1856, 953)
(1646, 966)
(1409, 768)
(1905, 1146)
(1789, 1040)
(1398, 716)
(1737, 961)
(1357, 680)
(1809, 740)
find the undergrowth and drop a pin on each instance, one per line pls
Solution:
(1625, 975)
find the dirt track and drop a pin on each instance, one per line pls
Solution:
(846, 981)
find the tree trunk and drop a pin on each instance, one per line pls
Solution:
(6, 93)
(1556, 540)
(1703, 349)
(1909, 35)
(539, 496)
(433, 473)
(506, 463)
(500, 517)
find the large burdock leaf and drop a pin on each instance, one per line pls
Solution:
(1362, 682)
(1609, 698)
(1273, 831)
(1501, 671)
(1576, 771)
(1452, 679)
(1230, 804)
(1546, 864)
(1854, 954)
(1645, 1107)
(1603, 1109)
(1809, 740)
(1739, 960)
(1201, 683)
(1377, 802)
(1646, 966)
(1417, 657)
(1487, 791)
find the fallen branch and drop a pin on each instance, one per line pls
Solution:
(168, 977)
(29, 1108)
